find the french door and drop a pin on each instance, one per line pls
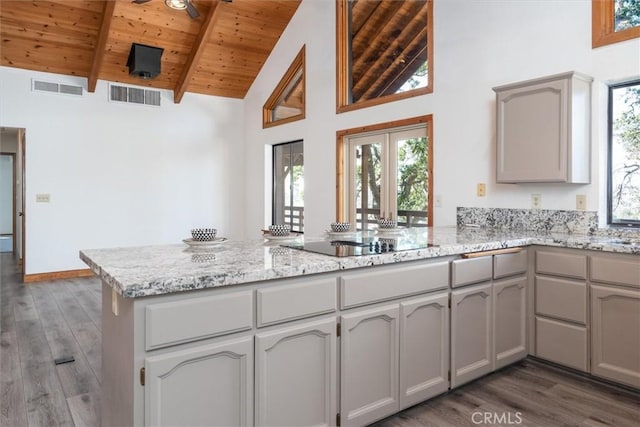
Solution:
(388, 176)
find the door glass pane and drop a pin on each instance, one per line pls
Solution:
(412, 182)
(368, 177)
(288, 185)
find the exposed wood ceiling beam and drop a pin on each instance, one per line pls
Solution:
(196, 51)
(107, 16)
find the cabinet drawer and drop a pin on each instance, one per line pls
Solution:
(509, 264)
(193, 319)
(380, 284)
(296, 301)
(561, 343)
(624, 271)
(563, 299)
(468, 271)
(561, 264)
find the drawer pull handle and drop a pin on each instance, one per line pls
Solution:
(492, 252)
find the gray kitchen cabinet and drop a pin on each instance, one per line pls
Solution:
(205, 385)
(615, 334)
(509, 320)
(489, 321)
(296, 375)
(561, 334)
(424, 348)
(543, 130)
(471, 333)
(369, 365)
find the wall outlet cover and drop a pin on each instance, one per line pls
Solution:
(536, 201)
(43, 198)
(581, 202)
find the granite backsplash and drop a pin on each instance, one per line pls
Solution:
(539, 220)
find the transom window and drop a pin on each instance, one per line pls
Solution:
(614, 21)
(624, 154)
(385, 51)
(287, 102)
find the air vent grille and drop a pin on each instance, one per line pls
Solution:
(134, 95)
(41, 86)
(71, 90)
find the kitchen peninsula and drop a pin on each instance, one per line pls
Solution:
(192, 336)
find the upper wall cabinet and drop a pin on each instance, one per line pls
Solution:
(544, 130)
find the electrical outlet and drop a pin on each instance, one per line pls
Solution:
(536, 201)
(43, 198)
(581, 202)
(481, 190)
(438, 201)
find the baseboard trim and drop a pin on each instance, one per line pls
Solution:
(54, 275)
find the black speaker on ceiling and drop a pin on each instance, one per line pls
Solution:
(144, 61)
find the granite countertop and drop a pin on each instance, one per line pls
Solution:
(155, 270)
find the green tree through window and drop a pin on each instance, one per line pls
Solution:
(624, 158)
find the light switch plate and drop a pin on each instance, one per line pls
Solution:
(481, 190)
(43, 198)
(438, 201)
(581, 202)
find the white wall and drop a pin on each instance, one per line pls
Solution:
(118, 174)
(479, 44)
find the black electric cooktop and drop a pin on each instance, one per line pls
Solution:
(363, 246)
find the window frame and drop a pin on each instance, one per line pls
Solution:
(610, 221)
(603, 25)
(273, 182)
(342, 62)
(299, 63)
(342, 145)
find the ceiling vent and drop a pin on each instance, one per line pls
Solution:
(144, 61)
(41, 86)
(134, 95)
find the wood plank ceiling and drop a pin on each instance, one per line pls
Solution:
(220, 53)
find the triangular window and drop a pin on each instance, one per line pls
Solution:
(287, 102)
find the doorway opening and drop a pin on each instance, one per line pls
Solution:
(12, 194)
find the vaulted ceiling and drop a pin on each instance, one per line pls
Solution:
(219, 53)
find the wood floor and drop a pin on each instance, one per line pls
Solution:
(44, 321)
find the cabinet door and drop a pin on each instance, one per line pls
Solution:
(509, 320)
(532, 133)
(615, 334)
(471, 333)
(424, 348)
(296, 375)
(208, 385)
(369, 365)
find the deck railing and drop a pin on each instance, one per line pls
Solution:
(406, 218)
(294, 216)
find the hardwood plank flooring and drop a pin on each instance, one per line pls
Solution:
(42, 321)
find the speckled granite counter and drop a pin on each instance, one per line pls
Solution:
(154, 270)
